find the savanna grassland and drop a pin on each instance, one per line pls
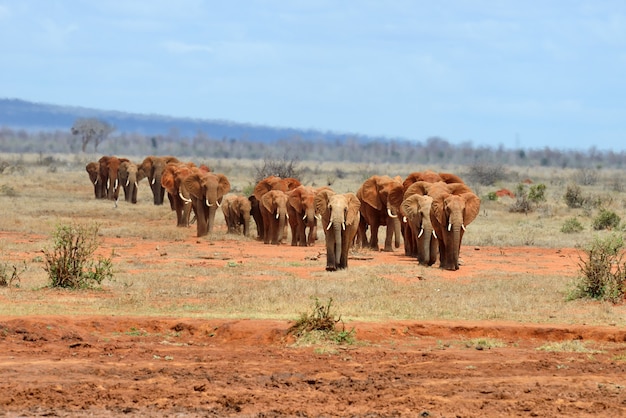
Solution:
(193, 326)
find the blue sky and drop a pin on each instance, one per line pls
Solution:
(517, 73)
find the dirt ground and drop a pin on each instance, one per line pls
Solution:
(92, 366)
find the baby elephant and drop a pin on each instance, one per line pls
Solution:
(236, 210)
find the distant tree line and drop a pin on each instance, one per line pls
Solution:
(432, 151)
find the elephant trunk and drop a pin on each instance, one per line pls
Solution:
(337, 230)
(397, 230)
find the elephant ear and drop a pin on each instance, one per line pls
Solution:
(437, 211)
(450, 178)
(263, 186)
(295, 198)
(267, 201)
(396, 194)
(291, 183)
(354, 204)
(191, 183)
(223, 185)
(321, 201)
(369, 193)
(419, 187)
(409, 206)
(244, 204)
(472, 207)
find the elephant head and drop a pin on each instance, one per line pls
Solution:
(109, 171)
(236, 209)
(340, 218)
(416, 208)
(454, 207)
(381, 197)
(301, 209)
(128, 178)
(99, 188)
(206, 191)
(172, 181)
(273, 205)
(152, 167)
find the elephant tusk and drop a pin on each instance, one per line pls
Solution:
(117, 184)
(152, 182)
(421, 233)
(329, 225)
(277, 215)
(463, 226)
(208, 203)
(343, 226)
(287, 216)
(391, 215)
(449, 227)
(304, 217)
(127, 183)
(318, 217)
(95, 182)
(435, 235)
(184, 199)
(404, 220)
(136, 185)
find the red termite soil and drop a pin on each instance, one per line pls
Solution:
(92, 366)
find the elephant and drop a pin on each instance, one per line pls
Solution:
(265, 185)
(453, 208)
(420, 240)
(128, 177)
(172, 181)
(273, 205)
(340, 219)
(255, 211)
(381, 197)
(430, 177)
(152, 167)
(301, 210)
(109, 171)
(237, 209)
(206, 191)
(99, 187)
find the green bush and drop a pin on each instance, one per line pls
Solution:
(571, 225)
(606, 219)
(70, 263)
(603, 274)
(537, 193)
(492, 196)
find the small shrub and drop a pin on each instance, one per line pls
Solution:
(571, 225)
(70, 263)
(603, 274)
(492, 196)
(321, 322)
(486, 174)
(10, 275)
(606, 219)
(537, 193)
(522, 203)
(574, 197)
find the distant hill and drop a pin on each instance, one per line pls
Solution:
(30, 116)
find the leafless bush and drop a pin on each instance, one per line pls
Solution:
(283, 167)
(486, 174)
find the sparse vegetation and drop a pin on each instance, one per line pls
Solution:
(571, 225)
(283, 167)
(574, 197)
(10, 274)
(70, 264)
(603, 273)
(320, 324)
(606, 219)
(527, 200)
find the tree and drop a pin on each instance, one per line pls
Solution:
(91, 129)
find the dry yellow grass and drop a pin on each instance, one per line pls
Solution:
(34, 199)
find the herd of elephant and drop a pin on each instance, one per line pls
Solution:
(428, 210)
